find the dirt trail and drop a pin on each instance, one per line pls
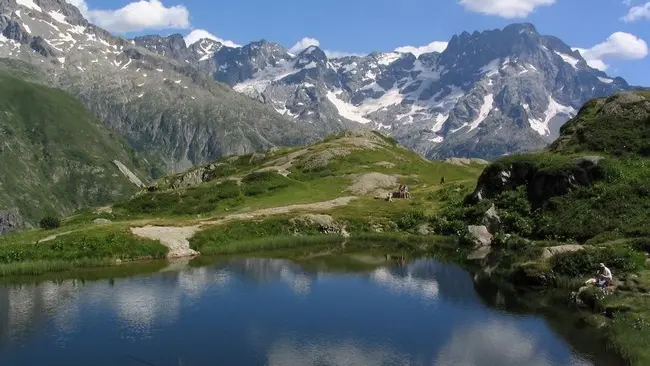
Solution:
(177, 238)
(52, 237)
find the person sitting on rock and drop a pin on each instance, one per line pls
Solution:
(604, 276)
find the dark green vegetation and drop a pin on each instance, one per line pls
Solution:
(591, 188)
(56, 158)
(50, 222)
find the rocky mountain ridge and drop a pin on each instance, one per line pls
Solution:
(487, 94)
(168, 109)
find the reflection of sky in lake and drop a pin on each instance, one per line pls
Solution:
(264, 311)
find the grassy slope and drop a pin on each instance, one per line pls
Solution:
(311, 180)
(56, 157)
(611, 215)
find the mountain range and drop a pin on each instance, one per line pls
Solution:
(176, 105)
(487, 94)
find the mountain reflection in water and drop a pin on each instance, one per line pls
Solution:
(272, 312)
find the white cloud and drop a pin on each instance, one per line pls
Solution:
(308, 42)
(302, 44)
(137, 16)
(619, 45)
(198, 34)
(435, 46)
(638, 12)
(505, 8)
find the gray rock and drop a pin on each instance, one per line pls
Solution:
(480, 235)
(492, 220)
(326, 223)
(10, 221)
(101, 221)
(553, 251)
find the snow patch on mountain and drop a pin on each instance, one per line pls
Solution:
(388, 58)
(483, 112)
(553, 110)
(29, 4)
(346, 110)
(569, 59)
(263, 78)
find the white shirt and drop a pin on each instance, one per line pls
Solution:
(606, 273)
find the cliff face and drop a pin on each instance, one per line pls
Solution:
(10, 221)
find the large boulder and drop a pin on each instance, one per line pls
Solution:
(550, 252)
(491, 220)
(482, 240)
(480, 236)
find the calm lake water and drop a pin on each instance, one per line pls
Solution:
(273, 312)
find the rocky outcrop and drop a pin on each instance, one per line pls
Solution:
(543, 180)
(325, 223)
(10, 221)
(550, 252)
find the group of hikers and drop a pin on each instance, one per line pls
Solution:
(401, 192)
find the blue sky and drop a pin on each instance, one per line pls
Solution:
(362, 26)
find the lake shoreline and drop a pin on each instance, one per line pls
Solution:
(444, 248)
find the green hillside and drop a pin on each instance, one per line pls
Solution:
(56, 158)
(584, 201)
(283, 197)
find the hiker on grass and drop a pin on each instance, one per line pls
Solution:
(604, 277)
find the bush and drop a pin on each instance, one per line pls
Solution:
(411, 219)
(260, 183)
(50, 222)
(622, 258)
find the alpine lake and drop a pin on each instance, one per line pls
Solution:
(352, 308)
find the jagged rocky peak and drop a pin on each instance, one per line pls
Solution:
(56, 9)
(310, 57)
(167, 46)
(236, 65)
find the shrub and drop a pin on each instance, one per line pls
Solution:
(50, 222)
(409, 220)
(621, 258)
(641, 244)
(259, 183)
